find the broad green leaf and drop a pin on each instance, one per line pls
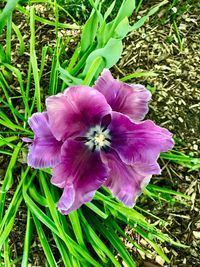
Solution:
(122, 29)
(95, 66)
(126, 10)
(69, 79)
(89, 32)
(110, 53)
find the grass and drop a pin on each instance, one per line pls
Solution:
(99, 223)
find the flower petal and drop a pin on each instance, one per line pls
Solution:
(81, 172)
(45, 150)
(126, 182)
(74, 111)
(138, 142)
(131, 100)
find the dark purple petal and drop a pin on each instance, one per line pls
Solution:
(81, 172)
(138, 142)
(73, 112)
(45, 149)
(126, 182)
(131, 100)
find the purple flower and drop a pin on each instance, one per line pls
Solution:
(93, 137)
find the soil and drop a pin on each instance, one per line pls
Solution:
(175, 105)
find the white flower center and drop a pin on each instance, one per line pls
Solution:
(98, 138)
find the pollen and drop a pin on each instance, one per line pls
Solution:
(100, 139)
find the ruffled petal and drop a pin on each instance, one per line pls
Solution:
(131, 100)
(73, 112)
(126, 182)
(45, 150)
(81, 172)
(138, 142)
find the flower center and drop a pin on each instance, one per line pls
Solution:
(98, 138)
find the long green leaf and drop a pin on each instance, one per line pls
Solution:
(11, 4)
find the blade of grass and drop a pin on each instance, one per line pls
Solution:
(8, 180)
(27, 241)
(10, 5)
(95, 209)
(96, 242)
(20, 39)
(33, 60)
(51, 225)
(8, 38)
(44, 242)
(16, 200)
(138, 74)
(75, 222)
(114, 239)
(7, 253)
(43, 58)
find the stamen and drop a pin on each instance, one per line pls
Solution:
(97, 138)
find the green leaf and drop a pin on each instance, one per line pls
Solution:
(68, 78)
(96, 242)
(139, 74)
(20, 38)
(110, 58)
(122, 28)
(8, 180)
(125, 10)
(96, 64)
(33, 59)
(109, 10)
(44, 242)
(11, 4)
(75, 222)
(114, 239)
(27, 241)
(89, 32)
(141, 21)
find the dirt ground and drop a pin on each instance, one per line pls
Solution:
(175, 105)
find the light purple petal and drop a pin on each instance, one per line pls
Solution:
(126, 182)
(45, 149)
(73, 112)
(131, 100)
(138, 142)
(81, 172)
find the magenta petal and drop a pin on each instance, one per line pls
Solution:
(131, 100)
(81, 172)
(141, 142)
(126, 182)
(45, 149)
(73, 112)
